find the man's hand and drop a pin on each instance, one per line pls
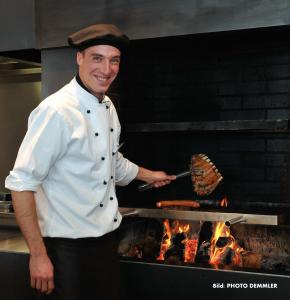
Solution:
(41, 268)
(157, 178)
(160, 178)
(41, 273)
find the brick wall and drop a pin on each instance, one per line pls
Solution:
(241, 75)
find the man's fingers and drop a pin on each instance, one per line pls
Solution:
(43, 286)
(32, 282)
(38, 284)
(50, 286)
(161, 183)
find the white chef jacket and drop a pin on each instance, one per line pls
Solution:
(69, 157)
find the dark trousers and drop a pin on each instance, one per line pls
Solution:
(86, 268)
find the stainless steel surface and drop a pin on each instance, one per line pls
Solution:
(240, 219)
(12, 240)
(5, 206)
(198, 215)
(7, 220)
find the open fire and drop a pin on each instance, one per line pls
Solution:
(177, 235)
(209, 243)
(223, 247)
(179, 242)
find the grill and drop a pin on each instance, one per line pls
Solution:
(204, 94)
(264, 271)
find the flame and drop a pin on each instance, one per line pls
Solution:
(217, 253)
(169, 231)
(166, 240)
(224, 202)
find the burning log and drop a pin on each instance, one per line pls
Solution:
(251, 260)
(176, 252)
(203, 253)
(221, 254)
(223, 241)
(203, 248)
(178, 244)
(227, 256)
(151, 248)
(135, 251)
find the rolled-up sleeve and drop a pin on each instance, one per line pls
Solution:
(126, 171)
(44, 143)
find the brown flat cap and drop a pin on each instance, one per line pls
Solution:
(99, 34)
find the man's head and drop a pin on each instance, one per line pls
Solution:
(99, 53)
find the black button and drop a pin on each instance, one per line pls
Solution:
(103, 158)
(107, 107)
(88, 111)
(112, 129)
(112, 177)
(105, 182)
(101, 205)
(111, 198)
(113, 153)
(96, 134)
(115, 220)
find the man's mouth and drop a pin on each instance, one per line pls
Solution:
(102, 78)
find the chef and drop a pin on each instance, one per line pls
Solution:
(63, 181)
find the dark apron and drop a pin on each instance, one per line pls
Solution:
(86, 268)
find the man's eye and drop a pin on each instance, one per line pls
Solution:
(115, 61)
(97, 59)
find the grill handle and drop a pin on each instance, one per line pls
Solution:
(147, 186)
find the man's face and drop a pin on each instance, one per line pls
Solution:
(98, 67)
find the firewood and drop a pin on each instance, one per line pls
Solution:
(251, 260)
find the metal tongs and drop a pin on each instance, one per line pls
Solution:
(147, 186)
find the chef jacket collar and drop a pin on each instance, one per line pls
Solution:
(80, 82)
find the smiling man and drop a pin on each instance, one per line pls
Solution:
(63, 181)
(98, 67)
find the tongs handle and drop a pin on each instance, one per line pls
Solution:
(147, 186)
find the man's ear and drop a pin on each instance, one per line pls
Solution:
(80, 58)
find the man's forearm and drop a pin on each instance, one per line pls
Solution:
(25, 212)
(41, 268)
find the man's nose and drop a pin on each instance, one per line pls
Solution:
(105, 67)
